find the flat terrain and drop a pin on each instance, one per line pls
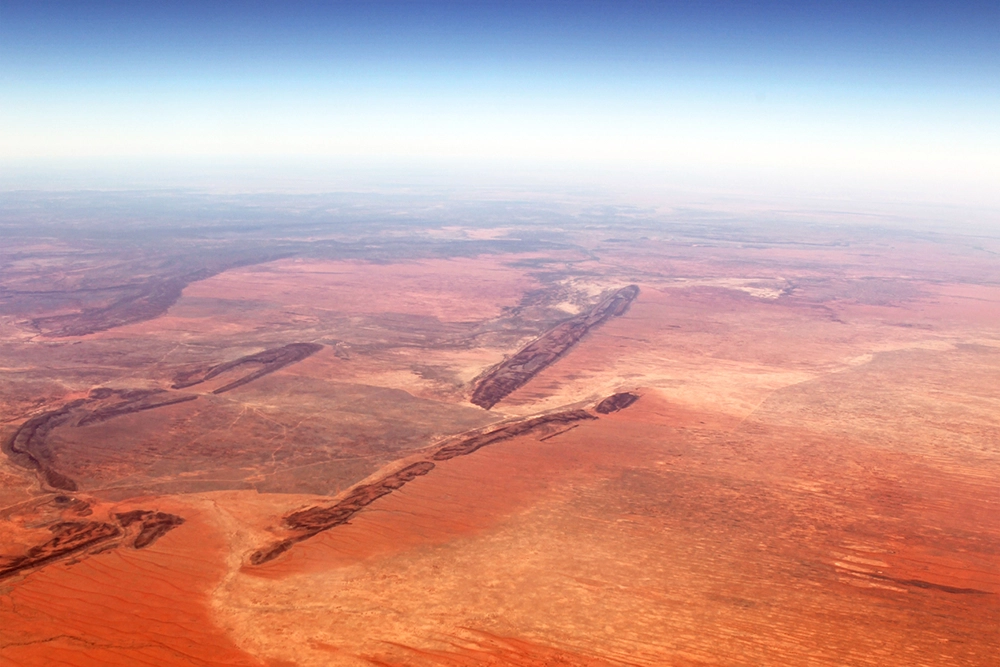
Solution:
(349, 432)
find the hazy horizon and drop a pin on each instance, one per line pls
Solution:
(874, 101)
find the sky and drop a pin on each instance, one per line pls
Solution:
(833, 98)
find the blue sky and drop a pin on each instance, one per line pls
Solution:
(904, 96)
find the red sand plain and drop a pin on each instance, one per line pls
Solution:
(650, 537)
(449, 289)
(301, 293)
(810, 477)
(125, 607)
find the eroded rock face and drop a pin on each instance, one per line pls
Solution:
(138, 528)
(27, 446)
(314, 520)
(468, 445)
(516, 371)
(68, 538)
(616, 402)
(268, 360)
(152, 525)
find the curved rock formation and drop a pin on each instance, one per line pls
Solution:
(26, 447)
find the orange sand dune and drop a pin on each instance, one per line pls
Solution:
(124, 607)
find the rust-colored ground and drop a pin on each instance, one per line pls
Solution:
(646, 538)
(810, 476)
(121, 607)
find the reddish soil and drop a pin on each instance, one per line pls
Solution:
(486, 649)
(314, 520)
(449, 289)
(124, 607)
(778, 446)
(750, 544)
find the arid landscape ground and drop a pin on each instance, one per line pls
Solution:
(321, 431)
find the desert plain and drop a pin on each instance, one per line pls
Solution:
(314, 431)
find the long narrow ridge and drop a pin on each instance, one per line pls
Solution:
(270, 360)
(314, 520)
(515, 372)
